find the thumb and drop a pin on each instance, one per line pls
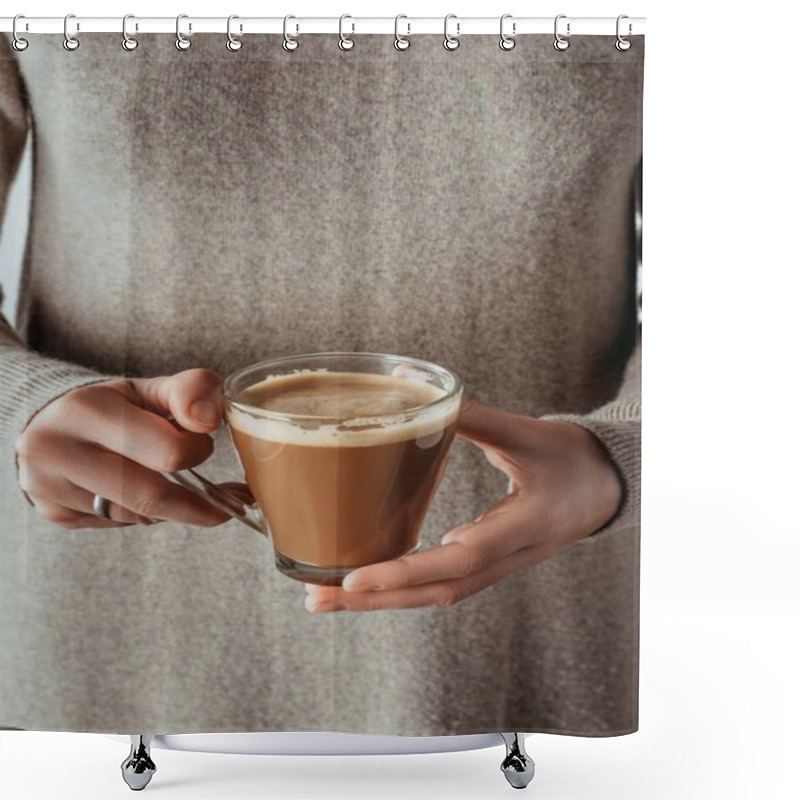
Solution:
(193, 397)
(484, 425)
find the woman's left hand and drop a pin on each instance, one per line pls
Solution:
(564, 487)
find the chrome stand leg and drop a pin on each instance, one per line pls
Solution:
(517, 766)
(138, 768)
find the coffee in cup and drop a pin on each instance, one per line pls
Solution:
(342, 452)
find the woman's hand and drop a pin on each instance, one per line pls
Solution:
(564, 487)
(114, 439)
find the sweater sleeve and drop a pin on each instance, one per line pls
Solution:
(617, 425)
(28, 380)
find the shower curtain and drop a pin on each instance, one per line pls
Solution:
(198, 210)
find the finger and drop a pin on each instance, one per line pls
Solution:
(112, 419)
(193, 397)
(482, 424)
(508, 526)
(59, 490)
(321, 599)
(70, 518)
(73, 496)
(139, 489)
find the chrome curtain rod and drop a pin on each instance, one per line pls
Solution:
(298, 26)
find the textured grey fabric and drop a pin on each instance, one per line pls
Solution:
(204, 208)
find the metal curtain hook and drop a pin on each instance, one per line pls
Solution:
(289, 42)
(233, 44)
(561, 42)
(345, 43)
(507, 42)
(401, 42)
(19, 43)
(623, 44)
(128, 42)
(451, 42)
(70, 42)
(181, 42)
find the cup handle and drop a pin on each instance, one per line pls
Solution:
(221, 498)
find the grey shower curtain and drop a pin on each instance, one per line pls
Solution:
(207, 209)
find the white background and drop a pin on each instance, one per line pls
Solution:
(719, 686)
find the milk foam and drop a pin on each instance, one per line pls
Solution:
(360, 425)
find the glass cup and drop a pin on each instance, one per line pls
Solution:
(350, 484)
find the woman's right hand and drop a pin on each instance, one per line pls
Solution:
(114, 439)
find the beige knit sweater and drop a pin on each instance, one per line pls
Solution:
(204, 208)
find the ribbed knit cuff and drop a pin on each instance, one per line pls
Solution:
(28, 382)
(622, 441)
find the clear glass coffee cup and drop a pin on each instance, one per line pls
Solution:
(342, 452)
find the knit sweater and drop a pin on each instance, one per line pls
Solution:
(472, 208)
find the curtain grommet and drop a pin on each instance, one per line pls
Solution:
(128, 42)
(345, 42)
(70, 42)
(561, 42)
(507, 42)
(451, 42)
(19, 44)
(290, 43)
(234, 44)
(181, 42)
(401, 42)
(622, 44)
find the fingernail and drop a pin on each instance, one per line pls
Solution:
(204, 411)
